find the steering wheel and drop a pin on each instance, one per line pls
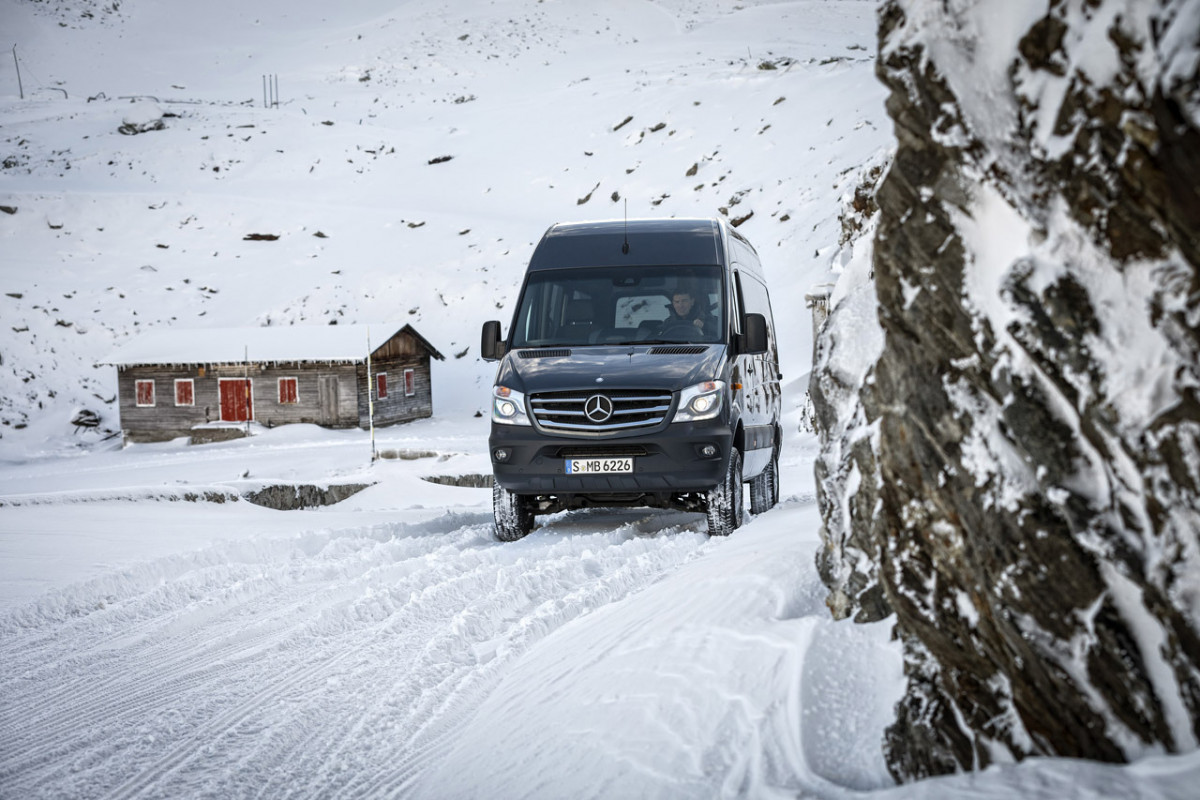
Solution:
(681, 330)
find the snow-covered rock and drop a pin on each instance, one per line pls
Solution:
(1026, 490)
(142, 117)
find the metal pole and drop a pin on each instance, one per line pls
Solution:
(370, 397)
(18, 63)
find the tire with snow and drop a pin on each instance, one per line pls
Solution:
(513, 514)
(725, 501)
(764, 490)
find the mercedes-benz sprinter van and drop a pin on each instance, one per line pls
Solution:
(640, 369)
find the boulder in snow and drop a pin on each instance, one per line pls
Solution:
(142, 117)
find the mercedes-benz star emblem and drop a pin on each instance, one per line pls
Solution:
(598, 408)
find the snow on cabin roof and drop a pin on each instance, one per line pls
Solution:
(291, 343)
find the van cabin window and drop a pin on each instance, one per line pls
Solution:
(754, 295)
(621, 306)
(753, 298)
(743, 253)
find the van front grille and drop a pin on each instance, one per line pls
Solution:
(586, 412)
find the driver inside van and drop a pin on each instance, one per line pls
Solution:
(686, 311)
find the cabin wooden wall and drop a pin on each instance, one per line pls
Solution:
(166, 421)
(401, 346)
(269, 411)
(396, 407)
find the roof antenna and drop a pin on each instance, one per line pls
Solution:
(625, 244)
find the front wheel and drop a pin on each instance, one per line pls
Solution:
(725, 501)
(513, 514)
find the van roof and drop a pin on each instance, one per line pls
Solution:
(652, 242)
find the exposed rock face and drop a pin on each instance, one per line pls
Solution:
(289, 497)
(1019, 479)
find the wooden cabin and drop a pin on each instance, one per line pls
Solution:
(199, 383)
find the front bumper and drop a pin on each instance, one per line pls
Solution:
(669, 461)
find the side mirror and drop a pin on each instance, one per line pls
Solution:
(490, 346)
(754, 335)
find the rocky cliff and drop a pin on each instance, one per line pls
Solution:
(1009, 394)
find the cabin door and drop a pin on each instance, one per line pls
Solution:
(327, 399)
(237, 399)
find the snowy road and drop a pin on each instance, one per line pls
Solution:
(388, 646)
(331, 663)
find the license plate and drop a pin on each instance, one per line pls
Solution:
(598, 466)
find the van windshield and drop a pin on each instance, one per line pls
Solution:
(621, 305)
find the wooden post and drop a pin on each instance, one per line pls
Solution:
(271, 91)
(246, 386)
(18, 64)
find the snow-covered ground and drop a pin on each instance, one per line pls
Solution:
(388, 643)
(154, 643)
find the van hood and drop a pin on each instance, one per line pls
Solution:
(672, 367)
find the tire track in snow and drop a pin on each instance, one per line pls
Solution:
(81, 699)
(443, 682)
(633, 562)
(337, 662)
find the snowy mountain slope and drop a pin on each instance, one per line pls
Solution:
(115, 232)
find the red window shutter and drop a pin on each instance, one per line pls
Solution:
(184, 393)
(410, 382)
(145, 393)
(381, 385)
(287, 390)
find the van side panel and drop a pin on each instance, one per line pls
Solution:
(762, 391)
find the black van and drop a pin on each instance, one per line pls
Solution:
(641, 369)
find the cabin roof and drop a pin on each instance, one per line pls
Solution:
(280, 344)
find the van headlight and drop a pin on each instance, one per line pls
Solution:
(508, 406)
(702, 401)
